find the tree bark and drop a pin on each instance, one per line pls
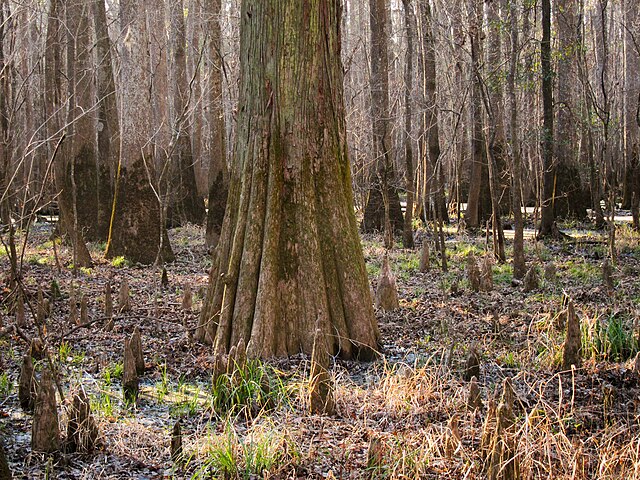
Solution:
(289, 256)
(185, 205)
(410, 28)
(53, 112)
(519, 266)
(137, 232)
(478, 201)
(549, 169)
(218, 175)
(81, 169)
(632, 107)
(570, 198)
(434, 194)
(382, 210)
(108, 122)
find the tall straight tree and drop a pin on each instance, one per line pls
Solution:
(478, 201)
(64, 171)
(569, 197)
(108, 122)
(289, 258)
(382, 210)
(136, 230)
(218, 175)
(519, 265)
(81, 169)
(186, 204)
(549, 170)
(410, 27)
(632, 107)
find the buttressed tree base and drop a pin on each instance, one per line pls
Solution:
(289, 256)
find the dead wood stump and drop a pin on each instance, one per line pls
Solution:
(607, 275)
(425, 260)
(387, 293)
(550, 272)
(187, 299)
(136, 348)
(45, 434)
(376, 452)
(27, 385)
(54, 291)
(474, 400)
(124, 297)
(176, 444)
(501, 462)
(452, 436)
(84, 310)
(531, 281)
(73, 309)
(636, 364)
(473, 273)
(108, 307)
(5, 472)
(41, 309)
(82, 431)
(21, 320)
(321, 386)
(488, 428)
(164, 279)
(486, 274)
(572, 346)
(130, 383)
(472, 366)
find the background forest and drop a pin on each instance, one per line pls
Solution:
(494, 159)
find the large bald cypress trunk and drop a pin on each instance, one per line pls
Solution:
(289, 256)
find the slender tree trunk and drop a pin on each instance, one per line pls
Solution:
(186, 205)
(108, 123)
(410, 28)
(632, 107)
(476, 204)
(495, 91)
(382, 211)
(289, 258)
(137, 232)
(81, 169)
(549, 169)
(54, 113)
(519, 266)
(570, 198)
(434, 183)
(218, 176)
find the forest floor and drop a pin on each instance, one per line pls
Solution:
(406, 415)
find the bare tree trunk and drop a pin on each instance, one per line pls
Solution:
(218, 176)
(81, 169)
(476, 202)
(549, 169)
(434, 184)
(383, 206)
(54, 115)
(410, 28)
(289, 257)
(632, 106)
(136, 231)
(570, 198)
(108, 122)
(186, 205)
(519, 266)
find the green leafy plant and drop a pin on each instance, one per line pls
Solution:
(120, 262)
(248, 389)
